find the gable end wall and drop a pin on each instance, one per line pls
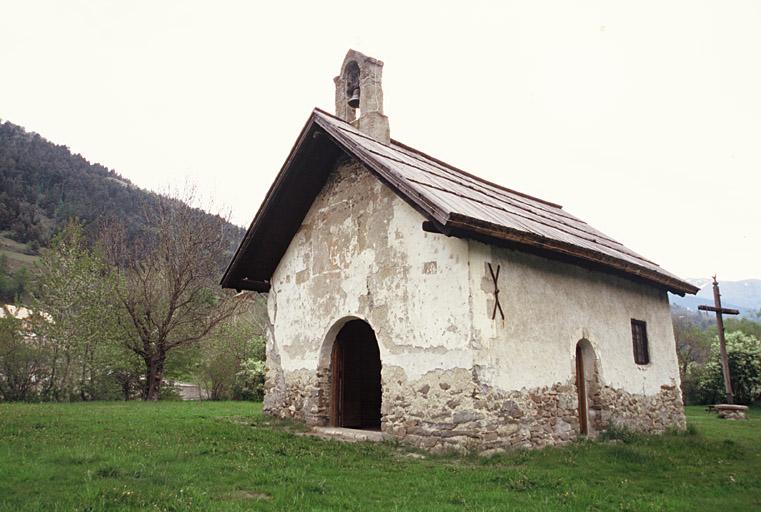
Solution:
(361, 253)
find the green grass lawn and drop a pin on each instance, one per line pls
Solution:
(227, 456)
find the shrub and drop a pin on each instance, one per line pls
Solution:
(249, 381)
(690, 384)
(744, 354)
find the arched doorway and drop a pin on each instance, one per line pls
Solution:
(586, 383)
(356, 378)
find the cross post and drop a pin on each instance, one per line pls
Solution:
(722, 341)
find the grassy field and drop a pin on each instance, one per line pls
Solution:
(227, 456)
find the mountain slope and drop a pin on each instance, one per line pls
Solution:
(744, 295)
(43, 185)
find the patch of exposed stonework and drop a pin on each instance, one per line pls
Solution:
(301, 395)
(731, 412)
(643, 413)
(451, 410)
(289, 395)
(274, 380)
(275, 399)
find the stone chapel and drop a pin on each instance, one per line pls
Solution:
(411, 297)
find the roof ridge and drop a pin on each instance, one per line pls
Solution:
(542, 215)
(445, 164)
(476, 177)
(455, 177)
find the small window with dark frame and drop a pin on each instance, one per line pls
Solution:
(639, 341)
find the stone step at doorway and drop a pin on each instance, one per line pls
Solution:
(349, 435)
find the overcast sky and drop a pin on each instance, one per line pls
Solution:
(642, 118)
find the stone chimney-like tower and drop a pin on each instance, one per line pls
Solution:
(359, 87)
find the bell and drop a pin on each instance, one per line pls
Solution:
(354, 100)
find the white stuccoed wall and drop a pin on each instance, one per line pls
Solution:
(549, 306)
(361, 253)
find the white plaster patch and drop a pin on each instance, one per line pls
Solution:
(550, 306)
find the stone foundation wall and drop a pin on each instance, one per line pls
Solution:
(292, 397)
(642, 413)
(452, 410)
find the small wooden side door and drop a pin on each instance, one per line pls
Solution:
(581, 387)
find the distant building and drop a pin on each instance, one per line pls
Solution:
(17, 312)
(190, 391)
(409, 296)
(21, 313)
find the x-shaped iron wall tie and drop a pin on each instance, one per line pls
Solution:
(497, 305)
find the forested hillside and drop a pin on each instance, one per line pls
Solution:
(43, 185)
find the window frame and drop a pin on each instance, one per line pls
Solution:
(640, 342)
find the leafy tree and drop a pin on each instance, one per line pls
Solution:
(693, 343)
(744, 354)
(744, 325)
(79, 319)
(227, 355)
(249, 381)
(23, 359)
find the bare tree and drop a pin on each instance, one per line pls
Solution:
(168, 282)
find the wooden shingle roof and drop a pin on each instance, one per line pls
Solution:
(454, 203)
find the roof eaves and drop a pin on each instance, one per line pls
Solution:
(449, 223)
(243, 247)
(460, 225)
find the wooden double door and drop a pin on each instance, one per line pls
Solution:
(356, 376)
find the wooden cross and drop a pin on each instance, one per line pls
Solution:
(720, 311)
(497, 305)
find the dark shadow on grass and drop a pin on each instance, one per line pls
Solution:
(108, 472)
